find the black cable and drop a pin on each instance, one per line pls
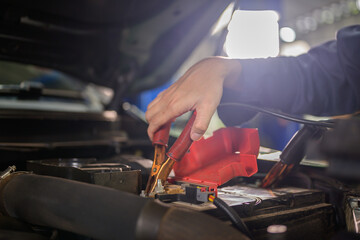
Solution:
(234, 217)
(289, 117)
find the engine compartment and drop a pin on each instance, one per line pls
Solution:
(75, 157)
(310, 198)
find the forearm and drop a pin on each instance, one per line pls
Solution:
(324, 81)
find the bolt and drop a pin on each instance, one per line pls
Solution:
(154, 170)
(7, 172)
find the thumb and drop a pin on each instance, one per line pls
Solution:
(202, 121)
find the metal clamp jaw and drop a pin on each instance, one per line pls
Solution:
(162, 167)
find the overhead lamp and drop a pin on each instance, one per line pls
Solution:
(253, 34)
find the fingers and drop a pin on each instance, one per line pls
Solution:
(167, 106)
(155, 124)
(202, 121)
(200, 89)
(156, 100)
(162, 112)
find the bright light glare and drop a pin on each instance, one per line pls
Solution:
(294, 49)
(358, 4)
(253, 34)
(224, 19)
(287, 34)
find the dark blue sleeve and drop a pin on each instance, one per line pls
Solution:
(325, 81)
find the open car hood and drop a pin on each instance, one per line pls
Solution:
(127, 45)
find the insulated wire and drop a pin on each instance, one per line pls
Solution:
(232, 214)
(289, 117)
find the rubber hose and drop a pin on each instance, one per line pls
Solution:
(103, 213)
(85, 209)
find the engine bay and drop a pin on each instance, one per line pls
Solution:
(76, 160)
(311, 197)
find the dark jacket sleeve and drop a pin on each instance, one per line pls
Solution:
(325, 81)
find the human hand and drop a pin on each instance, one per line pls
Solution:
(200, 89)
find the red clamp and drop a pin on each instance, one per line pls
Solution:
(161, 136)
(183, 143)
